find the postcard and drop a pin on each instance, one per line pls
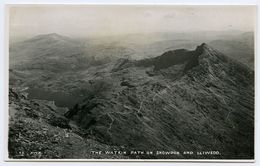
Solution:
(131, 82)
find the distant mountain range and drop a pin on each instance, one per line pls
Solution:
(238, 45)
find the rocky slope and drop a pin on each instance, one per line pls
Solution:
(38, 130)
(197, 100)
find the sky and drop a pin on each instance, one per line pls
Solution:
(91, 21)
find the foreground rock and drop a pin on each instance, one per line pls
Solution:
(38, 132)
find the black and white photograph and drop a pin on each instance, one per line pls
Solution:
(131, 82)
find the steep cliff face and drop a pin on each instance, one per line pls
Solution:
(197, 100)
(175, 57)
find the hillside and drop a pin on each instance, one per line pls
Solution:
(183, 100)
(38, 130)
(201, 100)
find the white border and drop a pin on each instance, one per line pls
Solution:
(4, 73)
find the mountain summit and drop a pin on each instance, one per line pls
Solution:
(176, 57)
(49, 37)
(203, 59)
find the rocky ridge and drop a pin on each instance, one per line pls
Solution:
(200, 101)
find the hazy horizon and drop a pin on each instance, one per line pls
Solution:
(111, 20)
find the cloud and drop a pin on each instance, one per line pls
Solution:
(112, 20)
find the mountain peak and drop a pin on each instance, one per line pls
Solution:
(203, 45)
(180, 57)
(54, 37)
(201, 48)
